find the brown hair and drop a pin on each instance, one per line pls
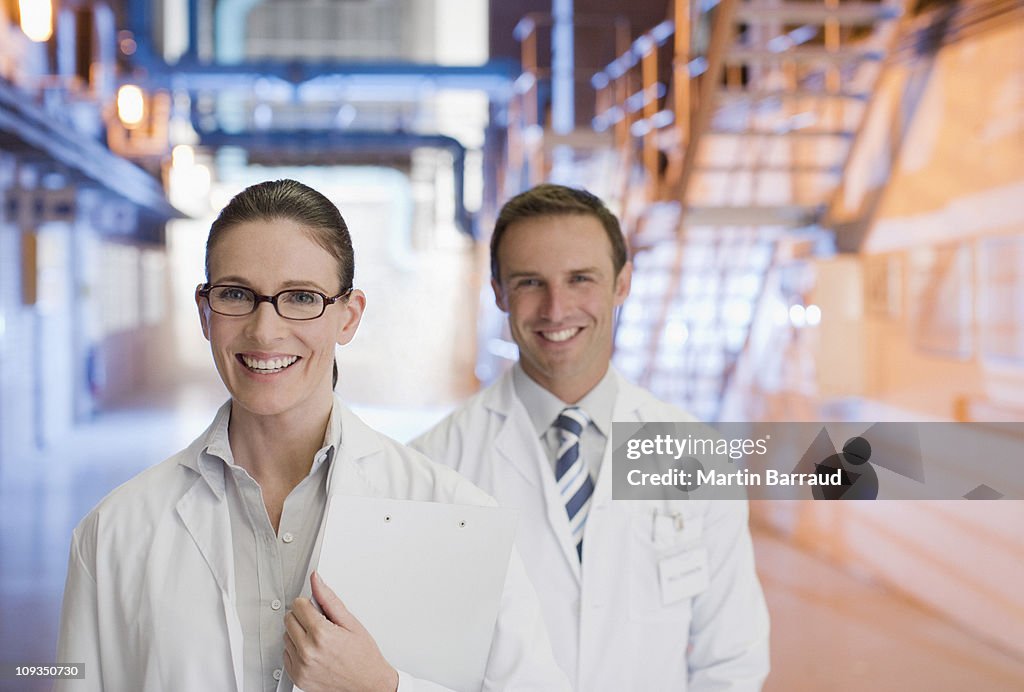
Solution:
(548, 199)
(289, 199)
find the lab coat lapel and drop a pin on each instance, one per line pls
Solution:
(517, 443)
(204, 512)
(514, 429)
(628, 400)
(357, 441)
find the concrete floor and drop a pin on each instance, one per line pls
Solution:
(830, 630)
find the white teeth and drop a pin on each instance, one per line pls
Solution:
(272, 365)
(562, 335)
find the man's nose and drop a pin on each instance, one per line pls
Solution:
(556, 304)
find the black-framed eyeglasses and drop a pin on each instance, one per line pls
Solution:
(293, 304)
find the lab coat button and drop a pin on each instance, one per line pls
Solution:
(277, 673)
(287, 537)
(275, 604)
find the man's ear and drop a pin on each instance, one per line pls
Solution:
(204, 313)
(622, 283)
(499, 295)
(352, 309)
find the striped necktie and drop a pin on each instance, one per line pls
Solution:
(571, 472)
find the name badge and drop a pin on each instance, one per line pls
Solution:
(683, 575)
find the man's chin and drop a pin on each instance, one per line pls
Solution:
(550, 370)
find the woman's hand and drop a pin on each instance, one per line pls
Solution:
(333, 653)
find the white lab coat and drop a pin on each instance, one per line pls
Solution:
(149, 602)
(613, 624)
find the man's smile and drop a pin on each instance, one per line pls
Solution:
(560, 335)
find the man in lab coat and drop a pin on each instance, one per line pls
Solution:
(636, 595)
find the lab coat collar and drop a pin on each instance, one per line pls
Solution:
(360, 441)
(204, 454)
(213, 443)
(501, 399)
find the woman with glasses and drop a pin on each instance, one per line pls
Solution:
(196, 574)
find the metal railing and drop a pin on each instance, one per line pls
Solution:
(528, 158)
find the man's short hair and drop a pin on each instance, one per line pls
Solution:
(548, 199)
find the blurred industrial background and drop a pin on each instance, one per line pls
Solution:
(825, 201)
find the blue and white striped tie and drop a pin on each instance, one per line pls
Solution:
(571, 472)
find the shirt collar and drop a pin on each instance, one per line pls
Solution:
(543, 407)
(214, 451)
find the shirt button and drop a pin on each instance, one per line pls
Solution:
(275, 604)
(287, 537)
(277, 673)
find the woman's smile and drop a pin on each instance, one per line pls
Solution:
(266, 365)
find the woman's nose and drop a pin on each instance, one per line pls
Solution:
(265, 325)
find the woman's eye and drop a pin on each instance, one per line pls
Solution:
(232, 294)
(302, 297)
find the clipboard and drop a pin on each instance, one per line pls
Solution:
(424, 578)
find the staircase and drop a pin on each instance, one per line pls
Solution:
(738, 135)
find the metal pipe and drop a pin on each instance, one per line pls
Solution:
(229, 27)
(563, 97)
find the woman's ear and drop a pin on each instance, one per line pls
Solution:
(204, 312)
(352, 313)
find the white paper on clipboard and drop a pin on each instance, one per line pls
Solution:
(424, 578)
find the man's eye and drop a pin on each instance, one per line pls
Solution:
(528, 283)
(580, 278)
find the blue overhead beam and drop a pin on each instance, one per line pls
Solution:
(494, 76)
(339, 143)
